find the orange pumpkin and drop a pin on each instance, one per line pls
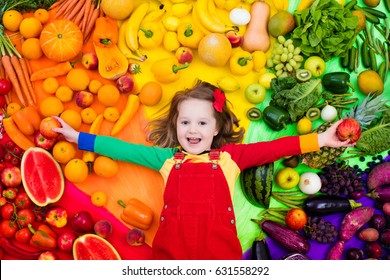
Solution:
(61, 40)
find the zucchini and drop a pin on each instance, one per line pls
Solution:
(365, 55)
(286, 237)
(375, 12)
(352, 58)
(256, 184)
(374, 65)
(344, 60)
(321, 205)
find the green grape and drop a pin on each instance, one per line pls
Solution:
(279, 72)
(289, 67)
(292, 62)
(288, 42)
(298, 58)
(291, 48)
(279, 66)
(283, 57)
(270, 63)
(297, 50)
(289, 56)
(281, 39)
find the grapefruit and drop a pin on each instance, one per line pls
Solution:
(93, 247)
(215, 49)
(42, 176)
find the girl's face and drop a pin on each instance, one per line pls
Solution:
(196, 125)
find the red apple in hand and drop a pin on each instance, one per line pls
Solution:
(47, 125)
(349, 129)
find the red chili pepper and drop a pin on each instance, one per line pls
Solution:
(16, 252)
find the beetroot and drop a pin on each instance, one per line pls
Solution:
(379, 176)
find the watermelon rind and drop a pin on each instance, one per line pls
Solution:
(42, 176)
(93, 247)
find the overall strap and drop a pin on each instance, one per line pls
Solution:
(178, 158)
(214, 157)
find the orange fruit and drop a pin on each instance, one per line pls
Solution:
(77, 79)
(42, 15)
(50, 85)
(108, 95)
(369, 82)
(72, 117)
(64, 93)
(105, 167)
(31, 48)
(150, 93)
(30, 27)
(51, 106)
(12, 108)
(111, 114)
(76, 170)
(361, 19)
(64, 151)
(12, 19)
(88, 115)
(94, 86)
(99, 198)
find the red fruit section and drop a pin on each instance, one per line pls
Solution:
(93, 247)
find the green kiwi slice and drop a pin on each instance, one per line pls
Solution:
(254, 114)
(313, 114)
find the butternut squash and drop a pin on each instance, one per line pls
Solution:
(112, 62)
(256, 37)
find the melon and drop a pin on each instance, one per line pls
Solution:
(93, 247)
(42, 176)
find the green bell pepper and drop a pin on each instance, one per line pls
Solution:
(276, 117)
(337, 82)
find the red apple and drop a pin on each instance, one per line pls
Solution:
(90, 61)
(11, 176)
(235, 38)
(349, 129)
(125, 84)
(43, 142)
(47, 125)
(84, 98)
(65, 241)
(296, 218)
(184, 54)
(48, 256)
(57, 217)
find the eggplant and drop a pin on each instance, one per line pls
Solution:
(260, 250)
(295, 257)
(322, 205)
(380, 194)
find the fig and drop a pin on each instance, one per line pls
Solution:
(103, 228)
(135, 237)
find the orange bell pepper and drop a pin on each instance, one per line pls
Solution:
(136, 213)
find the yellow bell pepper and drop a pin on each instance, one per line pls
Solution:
(241, 63)
(150, 35)
(259, 59)
(189, 35)
(167, 70)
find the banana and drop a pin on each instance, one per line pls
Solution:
(177, 1)
(196, 20)
(228, 84)
(227, 4)
(133, 24)
(181, 9)
(210, 21)
(123, 48)
(154, 16)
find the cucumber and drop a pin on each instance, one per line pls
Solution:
(286, 237)
(365, 55)
(352, 58)
(256, 184)
(375, 12)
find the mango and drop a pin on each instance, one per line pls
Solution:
(281, 23)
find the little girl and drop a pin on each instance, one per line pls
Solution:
(197, 150)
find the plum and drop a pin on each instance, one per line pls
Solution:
(378, 221)
(373, 250)
(103, 228)
(135, 237)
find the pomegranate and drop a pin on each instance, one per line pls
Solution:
(349, 129)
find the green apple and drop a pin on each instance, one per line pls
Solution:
(255, 93)
(287, 178)
(316, 65)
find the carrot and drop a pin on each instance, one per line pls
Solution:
(26, 72)
(91, 23)
(71, 7)
(2, 71)
(77, 9)
(60, 69)
(88, 9)
(16, 135)
(19, 73)
(56, 4)
(78, 18)
(67, 4)
(9, 69)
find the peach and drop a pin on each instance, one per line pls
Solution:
(235, 38)
(125, 84)
(84, 98)
(90, 61)
(184, 54)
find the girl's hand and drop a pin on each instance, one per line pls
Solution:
(67, 131)
(329, 138)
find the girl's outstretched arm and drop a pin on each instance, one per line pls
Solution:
(329, 138)
(67, 131)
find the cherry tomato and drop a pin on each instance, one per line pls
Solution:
(17, 151)
(9, 145)
(22, 201)
(15, 161)
(5, 86)
(2, 165)
(8, 228)
(3, 201)
(25, 217)
(7, 211)
(23, 235)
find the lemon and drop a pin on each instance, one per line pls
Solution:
(304, 126)
(265, 79)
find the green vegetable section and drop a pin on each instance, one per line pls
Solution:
(248, 231)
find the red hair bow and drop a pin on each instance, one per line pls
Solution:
(219, 100)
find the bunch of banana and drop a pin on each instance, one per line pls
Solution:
(228, 84)
(180, 9)
(227, 4)
(154, 15)
(123, 48)
(204, 12)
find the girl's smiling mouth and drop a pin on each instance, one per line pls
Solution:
(193, 140)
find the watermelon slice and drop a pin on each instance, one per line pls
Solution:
(42, 176)
(93, 247)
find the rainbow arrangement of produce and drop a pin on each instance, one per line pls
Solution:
(108, 67)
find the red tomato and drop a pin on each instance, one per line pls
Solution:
(5, 87)
(23, 235)
(7, 211)
(296, 218)
(22, 201)
(8, 228)
(25, 217)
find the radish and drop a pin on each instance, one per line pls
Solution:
(336, 251)
(354, 220)
(379, 176)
